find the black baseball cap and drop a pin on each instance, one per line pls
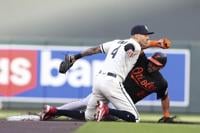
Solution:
(141, 29)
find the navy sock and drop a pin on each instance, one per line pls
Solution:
(124, 115)
(76, 114)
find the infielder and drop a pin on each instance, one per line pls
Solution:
(121, 58)
(143, 80)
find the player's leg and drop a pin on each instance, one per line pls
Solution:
(116, 94)
(125, 108)
(51, 112)
(92, 105)
(71, 109)
(95, 97)
(124, 115)
(80, 104)
(75, 114)
(74, 109)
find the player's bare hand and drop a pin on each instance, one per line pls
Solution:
(165, 43)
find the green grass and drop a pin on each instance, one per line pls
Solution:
(180, 117)
(124, 127)
(144, 127)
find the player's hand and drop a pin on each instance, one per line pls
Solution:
(165, 43)
(167, 119)
(66, 64)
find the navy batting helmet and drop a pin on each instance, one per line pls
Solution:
(159, 59)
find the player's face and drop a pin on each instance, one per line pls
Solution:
(143, 39)
(152, 67)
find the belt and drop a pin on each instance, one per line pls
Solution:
(108, 73)
(111, 74)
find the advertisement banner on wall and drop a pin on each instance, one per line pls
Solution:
(30, 74)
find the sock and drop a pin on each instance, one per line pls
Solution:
(124, 115)
(76, 114)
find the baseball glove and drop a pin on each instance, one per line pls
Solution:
(166, 43)
(171, 119)
(66, 64)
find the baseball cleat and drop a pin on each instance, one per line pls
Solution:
(102, 110)
(48, 112)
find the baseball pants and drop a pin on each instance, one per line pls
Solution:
(110, 89)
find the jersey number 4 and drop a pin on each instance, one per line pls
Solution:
(114, 52)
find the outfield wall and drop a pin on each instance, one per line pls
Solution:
(29, 75)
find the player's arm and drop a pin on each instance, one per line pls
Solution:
(166, 118)
(164, 43)
(87, 52)
(102, 48)
(165, 103)
(69, 60)
(165, 106)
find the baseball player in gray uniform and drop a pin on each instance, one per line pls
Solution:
(120, 59)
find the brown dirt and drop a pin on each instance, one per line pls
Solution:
(39, 126)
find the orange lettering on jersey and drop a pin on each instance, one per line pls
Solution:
(139, 78)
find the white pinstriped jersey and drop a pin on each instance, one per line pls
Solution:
(117, 60)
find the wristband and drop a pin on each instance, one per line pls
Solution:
(77, 56)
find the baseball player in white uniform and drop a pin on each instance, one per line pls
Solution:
(121, 57)
(108, 83)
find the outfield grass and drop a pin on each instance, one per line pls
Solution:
(143, 127)
(180, 117)
(124, 127)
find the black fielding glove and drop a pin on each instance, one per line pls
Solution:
(66, 64)
(167, 119)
